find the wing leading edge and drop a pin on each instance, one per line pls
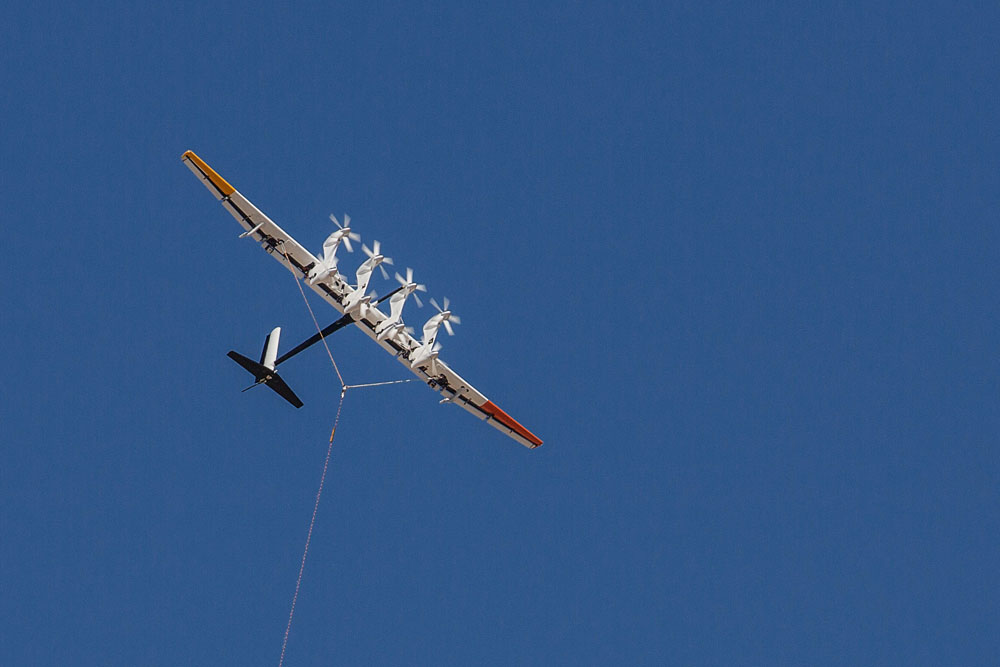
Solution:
(293, 256)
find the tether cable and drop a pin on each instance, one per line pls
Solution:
(329, 450)
(298, 284)
(312, 522)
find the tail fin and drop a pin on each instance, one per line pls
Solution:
(265, 375)
(270, 352)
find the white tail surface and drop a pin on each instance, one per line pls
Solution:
(270, 349)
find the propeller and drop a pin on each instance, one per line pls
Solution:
(450, 317)
(351, 236)
(374, 252)
(408, 281)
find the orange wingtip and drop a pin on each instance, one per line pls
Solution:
(489, 408)
(218, 181)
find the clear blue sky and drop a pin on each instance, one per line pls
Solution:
(737, 267)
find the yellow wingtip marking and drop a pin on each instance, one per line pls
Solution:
(218, 181)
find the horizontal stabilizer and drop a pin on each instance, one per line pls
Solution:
(278, 385)
(257, 370)
(263, 374)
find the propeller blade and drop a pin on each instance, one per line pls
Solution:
(420, 304)
(409, 275)
(335, 221)
(421, 288)
(399, 279)
(376, 246)
(354, 236)
(387, 260)
(365, 249)
(436, 347)
(409, 330)
(446, 303)
(447, 327)
(347, 220)
(374, 295)
(347, 243)
(455, 318)
(385, 274)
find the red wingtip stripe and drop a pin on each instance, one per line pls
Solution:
(489, 408)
